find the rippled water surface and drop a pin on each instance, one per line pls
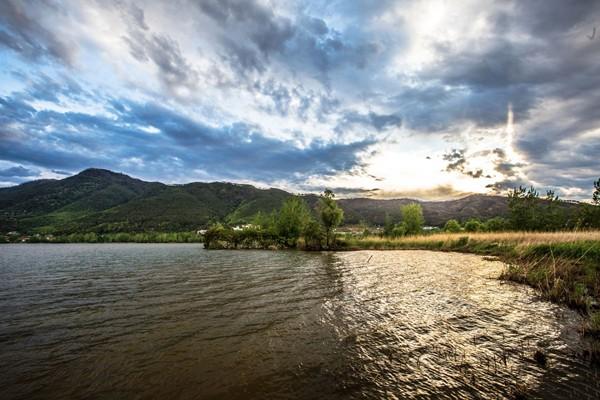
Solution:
(176, 321)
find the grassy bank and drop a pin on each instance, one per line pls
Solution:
(563, 266)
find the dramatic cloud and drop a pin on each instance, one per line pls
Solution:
(457, 162)
(416, 97)
(17, 172)
(22, 30)
(152, 137)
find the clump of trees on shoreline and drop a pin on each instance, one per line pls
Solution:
(531, 212)
(528, 211)
(294, 225)
(411, 224)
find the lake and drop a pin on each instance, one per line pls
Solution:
(147, 321)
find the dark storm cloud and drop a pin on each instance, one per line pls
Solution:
(478, 86)
(237, 151)
(328, 51)
(553, 62)
(547, 17)
(266, 31)
(503, 166)
(16, 172)
(253, 35)
(240, 150)
(482, 80)
(437, 108)
(242, 58)
(457, 162)
(507, 171)
(22, 32)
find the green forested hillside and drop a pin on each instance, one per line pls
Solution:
(102, 201)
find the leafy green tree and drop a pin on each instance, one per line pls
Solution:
(452, 226)
(412, 218)
(473, 225)
(313, 235)
(596, 194)
(331, 214)
(523, 206)
(399, 230)
(291, 220)
(265, 222)
(214, 233)
(496, 224)
(552, 215)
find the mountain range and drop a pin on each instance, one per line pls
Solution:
(98, 200)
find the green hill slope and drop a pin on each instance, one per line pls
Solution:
(101, 201)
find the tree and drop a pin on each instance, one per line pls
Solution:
(293, 216)
(412, 218)
(589, 214)
(388, 225)
(552, 216)
(523, 207)
(313, 235)
(473, 225)
(452, 225)
(496, 224)
(263, 220)
(213, 234)
(331, 214)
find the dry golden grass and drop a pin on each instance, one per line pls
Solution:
(516, 238)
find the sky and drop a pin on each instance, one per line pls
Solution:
(426, 99)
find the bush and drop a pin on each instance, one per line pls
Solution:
(399, 230)
(496, 224)
(453, 226)
(473, 225)
(313, 235)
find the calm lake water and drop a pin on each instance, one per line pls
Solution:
(112, 321)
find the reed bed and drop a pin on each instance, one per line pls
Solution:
(563, 266)
(521, 239)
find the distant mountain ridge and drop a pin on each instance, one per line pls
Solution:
(98, 200)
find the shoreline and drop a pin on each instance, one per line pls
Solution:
(563, 267)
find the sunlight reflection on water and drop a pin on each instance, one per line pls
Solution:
(164, 321)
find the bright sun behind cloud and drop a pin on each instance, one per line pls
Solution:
(419, 98)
